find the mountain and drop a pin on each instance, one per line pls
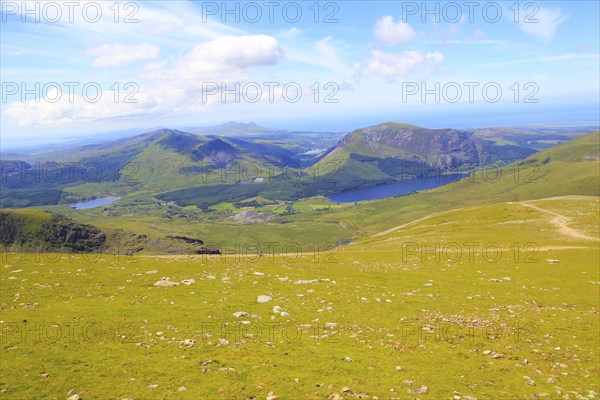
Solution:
(569, 169)
(152, 162)
(236, 129)
(395, 150)
(189, 168)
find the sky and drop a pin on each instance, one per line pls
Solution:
(73, 68)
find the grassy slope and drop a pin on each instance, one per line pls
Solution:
(568, 169)
(520, 306)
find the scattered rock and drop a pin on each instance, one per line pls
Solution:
(263, 299)
(346, 389)
(74, 397)
(182, 389)
(277, 309)
(240, 314)
(420, 390)
(347, 359)
(284, 313)
(166, 283)
(72, 392)
(407, 382)
(306, 281)
(271, 396)
(154, 271)
(188, 281)
(398, 368)
(530, 381)
(152, 386)
(188, 342)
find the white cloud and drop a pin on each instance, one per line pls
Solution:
(548, 20)
(238, 51)
(167, 88)
(389, 33)
(392, 65)
(118, 55)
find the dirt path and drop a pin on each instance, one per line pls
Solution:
(561, 222)
(414, 222)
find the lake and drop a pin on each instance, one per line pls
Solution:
(83, 205)
(394, 189)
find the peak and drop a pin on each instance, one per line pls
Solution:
(399, 125)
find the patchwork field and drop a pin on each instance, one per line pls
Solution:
(498, 301)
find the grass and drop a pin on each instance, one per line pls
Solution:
(98, 318)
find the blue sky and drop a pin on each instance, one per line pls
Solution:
(166, 64)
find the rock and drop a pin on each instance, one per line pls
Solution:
(74, 397)
(44, 375)
(284, 313)
(223, 342)
(407, 382)
(335, 396)
(188, 342)
(398, 368)
(553, 261)
(72, 392)
(428, 284)
(420, 390)
(530, 381)
(277, 309)
(271, 396)
(166, 283)
(188, 281)
(154, 271)
(487, 352)
(240, 314)
(152, 386)
(330, 325)
(263, 299)
(346, 389)
(306, 281)
(497, 355)
(347, 359)
(182, 389)
(259, 273)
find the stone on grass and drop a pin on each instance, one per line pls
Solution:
(166, 283)
(264, 299)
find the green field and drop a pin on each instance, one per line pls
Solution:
(512, 317)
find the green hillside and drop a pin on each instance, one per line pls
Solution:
(518, 320)
(568, 169)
